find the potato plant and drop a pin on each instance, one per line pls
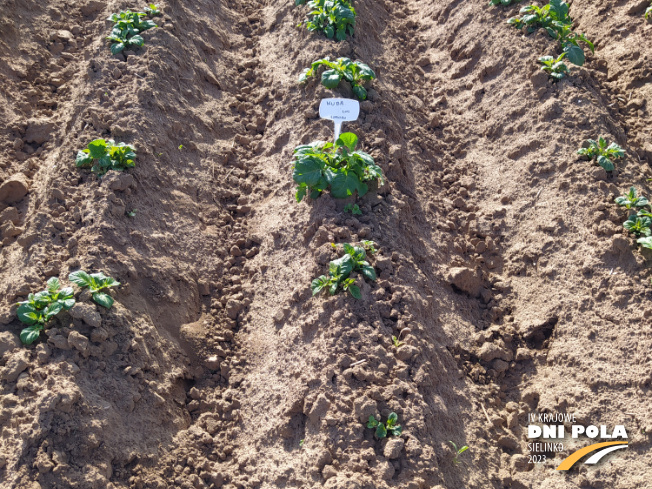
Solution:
(95, 283)
(388, 428)
(555, 20)
(648, 11)
(353, 260)
(319, 166)
(355, 72)
(102, 155)
(603, 153)
(639, 226)
(333, 18)
(37, 311)
(354, 209)
(632, 200)
(555, 67)
(127, 28)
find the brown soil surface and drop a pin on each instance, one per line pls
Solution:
(500, 251)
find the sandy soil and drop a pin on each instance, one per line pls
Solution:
(502, 259)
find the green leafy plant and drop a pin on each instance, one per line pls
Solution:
(648, 11)
(603, 153)
(41, 307)
(95, 282)
(631, 199)
(503, 2)
(131, 213)
(458, 451)
(397, 342)
(319, 166)
(102, 155)
(638, 225)
(353, 260)
(369, 246)
(645, 242)
(383, 429)
(127, 29)
(334, 18)
(152, 10)
(355, 72)
(555, 20)
(556, 68)
(570, 42)
(353, 209)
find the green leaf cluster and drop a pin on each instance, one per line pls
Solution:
(353, 260)
(152, 10)
(333, 18)
(555, 20)
(353, 209)
(458, 451)
(95, 282)
(383, 429)
(127, 28)
(39, 309)
(602, 152)
(639, 224)
(319, 166)
(555, 67)
(355, 72)
(102, 155)
(648, 12)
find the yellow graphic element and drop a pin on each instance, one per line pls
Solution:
(574, 457)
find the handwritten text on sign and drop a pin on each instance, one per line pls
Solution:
(339, 109)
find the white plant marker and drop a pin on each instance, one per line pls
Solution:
(339, 110)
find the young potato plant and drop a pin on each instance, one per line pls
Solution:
(127, 29)
(383, 429)
(556, 68)
(152, 10)
(631, 200)
(102, 155)
(41, 307)
(355, 72)
(639, 226)
(353, 209)
(555, 20)
(95, 282)
(602, 153)
(334, 18)
(648, 12)
(353, 260)
(339, 167)
(397, 343)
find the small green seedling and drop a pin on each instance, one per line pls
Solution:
(369, 246)
(604, 154)
(131, 213)
(127, 29)
(320, 165)
(503, 2)
(638, 225)
(353, 209)
(354, 72)
(458, 451)
(333, 18)
(180, 146)
(556, 68)
(353, 260)
(40, 308)
(631, 199)
(396, 342)
(570, 43)
(385, 429)
(648, 12)
(152, 10)
(95, 282)
(102, 156)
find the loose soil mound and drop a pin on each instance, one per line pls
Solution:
(502, 260)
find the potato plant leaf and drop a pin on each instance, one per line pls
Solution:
(355, 72)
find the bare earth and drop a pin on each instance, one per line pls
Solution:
(501, 252)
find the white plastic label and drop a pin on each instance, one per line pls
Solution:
(339, 110)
